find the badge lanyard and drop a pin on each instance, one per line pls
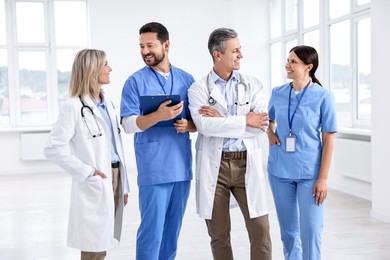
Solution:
(290, 139)
(162, 83)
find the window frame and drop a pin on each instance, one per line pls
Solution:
(356, 14)
(50, 48)
(355, 81)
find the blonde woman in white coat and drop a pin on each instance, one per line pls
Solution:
(85, 141)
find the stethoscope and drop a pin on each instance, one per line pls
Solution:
(240, 101)
(99, 133)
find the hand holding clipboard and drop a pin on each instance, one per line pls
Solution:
(169, 107)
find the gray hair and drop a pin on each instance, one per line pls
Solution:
(218, 38)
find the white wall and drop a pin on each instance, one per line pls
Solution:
(380, 95)
(351, 165)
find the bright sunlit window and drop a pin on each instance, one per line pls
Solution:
(38, 41)
(341, 37)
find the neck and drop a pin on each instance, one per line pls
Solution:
(98, 96)
(163, 66)
(300, 84)
(223, 74)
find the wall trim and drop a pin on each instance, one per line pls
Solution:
(30, 171)
(380, 216)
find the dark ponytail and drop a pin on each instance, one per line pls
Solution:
(314, 79)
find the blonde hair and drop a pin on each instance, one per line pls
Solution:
(85, 72)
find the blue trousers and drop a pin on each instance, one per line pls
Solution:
(162, 209)
(300, 218)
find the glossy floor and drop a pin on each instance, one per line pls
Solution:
(34, 213)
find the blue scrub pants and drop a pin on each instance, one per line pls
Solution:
(300, 218)
(162, 209)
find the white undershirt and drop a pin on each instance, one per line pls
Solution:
(165, 75)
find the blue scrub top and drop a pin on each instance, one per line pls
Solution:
(162, 154)
(315, 114)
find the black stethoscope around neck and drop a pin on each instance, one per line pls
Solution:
(240, 101)
(88, 108)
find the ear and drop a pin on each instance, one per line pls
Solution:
(166, 45)
(216, 55)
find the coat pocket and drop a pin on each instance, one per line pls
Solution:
(91, 192)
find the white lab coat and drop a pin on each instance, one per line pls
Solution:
(70, 145)
(211, 133)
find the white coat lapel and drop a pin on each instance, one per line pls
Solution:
(112, 115)
(215, 93)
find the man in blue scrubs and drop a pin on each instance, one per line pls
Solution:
(163, 154)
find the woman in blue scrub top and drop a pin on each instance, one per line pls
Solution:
(302, 125)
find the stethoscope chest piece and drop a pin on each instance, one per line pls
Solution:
(212, 101)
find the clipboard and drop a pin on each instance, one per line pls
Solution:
(151, 103)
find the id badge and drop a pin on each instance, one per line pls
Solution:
(290, 143)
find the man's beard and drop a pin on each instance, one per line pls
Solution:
(157, 60)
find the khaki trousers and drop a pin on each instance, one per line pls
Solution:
(115, 187)
(231, 179)
(93, 255)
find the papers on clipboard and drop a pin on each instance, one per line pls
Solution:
(151, 103)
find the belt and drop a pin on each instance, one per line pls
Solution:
(115, 165)
(234, 155)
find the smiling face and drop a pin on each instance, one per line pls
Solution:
(296, 69)
(104, 74)
(230, 59)
(153, 52)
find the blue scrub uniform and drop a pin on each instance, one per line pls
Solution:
(292, 175)
(164, 164)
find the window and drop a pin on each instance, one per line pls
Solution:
(291, 20)
(276, 63)
(4, 89)
(38, 42)
(340, 34)
(291, 31)
(363, 68)
(310, 13)
(338, 8)
(275, 23)
(340, 70)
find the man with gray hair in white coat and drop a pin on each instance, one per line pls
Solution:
(229, 111)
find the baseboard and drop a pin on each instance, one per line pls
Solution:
(380, 216)
(54, 169)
